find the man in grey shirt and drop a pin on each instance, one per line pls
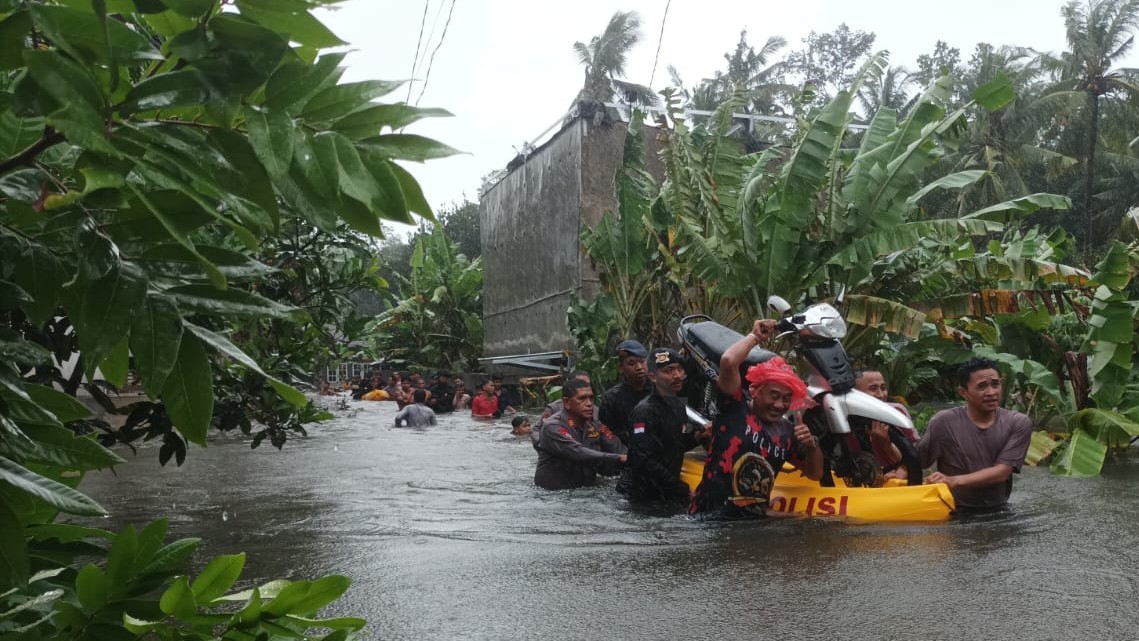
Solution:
(417, 414)
(976, 447)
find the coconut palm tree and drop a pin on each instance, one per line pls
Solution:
(604, 60)
(889, 89)
(1099, 34)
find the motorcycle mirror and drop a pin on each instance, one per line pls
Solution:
(838, 300)
(778, 304)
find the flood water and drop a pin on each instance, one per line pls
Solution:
(445, 536)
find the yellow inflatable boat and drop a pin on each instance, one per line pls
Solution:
(797, 495)
(375, 395)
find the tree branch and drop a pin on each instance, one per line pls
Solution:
(28, 156)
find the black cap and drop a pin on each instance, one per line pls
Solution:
(632, 348)
(663, 357)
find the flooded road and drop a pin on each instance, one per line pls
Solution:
(445, 537)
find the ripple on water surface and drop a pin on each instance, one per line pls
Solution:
(445, 536)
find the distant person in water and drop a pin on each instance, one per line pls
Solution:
(574, 448)
(978, 447)
(442, 398)
(617, 402)
(520, 426)
(416, 414)
(507, 401)
(462, 397)
(326, 389)
(485, 404)
(872, 382)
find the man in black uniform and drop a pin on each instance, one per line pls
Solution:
(442, 394)
(574, 448)
(658, 441)
(618, 401)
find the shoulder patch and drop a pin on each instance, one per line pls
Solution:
(638, 428)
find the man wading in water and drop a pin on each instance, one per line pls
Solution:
(658, 442)
(573, 447)
(979, 446)
(750, 437)
(617, 402)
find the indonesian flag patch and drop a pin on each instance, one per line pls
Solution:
(638, 428)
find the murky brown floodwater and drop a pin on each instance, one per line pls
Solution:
(446, 537)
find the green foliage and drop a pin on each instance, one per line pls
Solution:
(438, 322)
(131, 586)
(186, 193)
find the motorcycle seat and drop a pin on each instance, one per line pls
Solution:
(712, 339)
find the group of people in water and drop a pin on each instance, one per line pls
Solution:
(639, 430)
(642, 431)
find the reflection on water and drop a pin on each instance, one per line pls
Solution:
(445, 536)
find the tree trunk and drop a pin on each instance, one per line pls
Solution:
(1089, 170)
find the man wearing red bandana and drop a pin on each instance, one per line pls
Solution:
(750, 437)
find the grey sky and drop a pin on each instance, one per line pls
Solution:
(507, 69)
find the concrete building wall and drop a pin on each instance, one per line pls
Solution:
(531, 224)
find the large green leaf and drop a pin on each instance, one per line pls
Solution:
(995, 94)
(1083, 457)
(178, 599)
(306, 597)
(291, 19)
(295, 81)
(13, 549)
(346, 98)
(218, 576)
(64, 406)
(958, 180)
(223, 345)
(155, 339)
(879, 312)
(1106, 426)
(253, 175)
(85, 35)
(1039, 448)
(371, 121)
(408, 147)
(61, 447)
(79, 110)
(182, 88)
(51, 492)
(1019, 207)
(231, 302)
(106, 305)
(272, 135)
(188, 391)
(166, 207)
(14, 32)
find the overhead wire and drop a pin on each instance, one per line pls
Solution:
(415, 59)
(660, 39)
(431, 61)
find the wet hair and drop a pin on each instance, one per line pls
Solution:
(569, 390)
(518, 420)
(965, 372)
(496, 377)
(419, 395)
(859, 373)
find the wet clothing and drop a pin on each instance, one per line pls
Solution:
(743, 460)
(958, 446)
(657, 444)
(483, 406)
(442, 397)
(415, 415)
(617, 404)
(571, 453)
(551, 409)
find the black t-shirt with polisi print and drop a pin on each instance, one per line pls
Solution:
(744, 458)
